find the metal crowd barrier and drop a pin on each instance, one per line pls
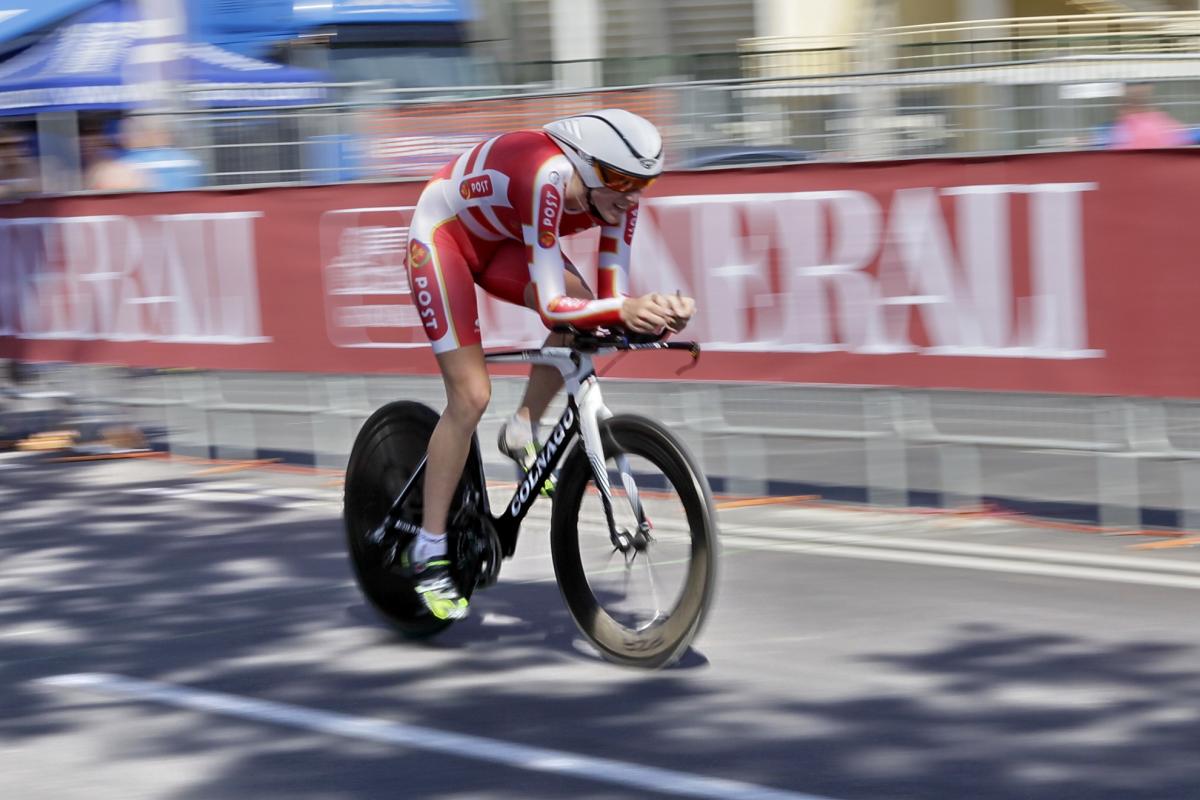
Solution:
(1127, 462)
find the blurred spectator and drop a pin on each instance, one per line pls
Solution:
(148, 149)
(103, 169)
(1141, 126)
(18, 170)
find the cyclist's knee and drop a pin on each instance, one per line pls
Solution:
(467, 402)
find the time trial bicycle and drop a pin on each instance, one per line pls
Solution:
(633, 531)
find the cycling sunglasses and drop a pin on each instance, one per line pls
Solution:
(620, 181)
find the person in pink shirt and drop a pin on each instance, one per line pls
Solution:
(1141, 126)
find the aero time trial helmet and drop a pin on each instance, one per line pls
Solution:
(611, 147)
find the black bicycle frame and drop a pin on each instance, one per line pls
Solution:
(508, 524)
(566, 433)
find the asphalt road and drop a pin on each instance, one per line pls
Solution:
(171, 633)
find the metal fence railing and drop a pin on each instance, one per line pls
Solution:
(1061, 103)
(976, 88)
(306, 144)
(973, 43)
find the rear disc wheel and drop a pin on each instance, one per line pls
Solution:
(386, 453)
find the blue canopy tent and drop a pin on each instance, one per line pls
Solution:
(24, 22)
(108, 59)
(78, 67)
(218, 78)
(92, 62)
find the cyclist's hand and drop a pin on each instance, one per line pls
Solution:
(649, 313)
(682, 310)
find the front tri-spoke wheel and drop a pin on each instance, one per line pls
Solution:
(640, 595)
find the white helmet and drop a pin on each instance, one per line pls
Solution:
(611, 147)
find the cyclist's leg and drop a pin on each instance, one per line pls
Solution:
(443, 290)
(507, 277)
(468, 391)
(444, 293)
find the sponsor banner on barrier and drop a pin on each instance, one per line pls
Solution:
(1044, 273)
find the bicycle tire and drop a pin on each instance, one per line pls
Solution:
(388, 448)
(665, 641)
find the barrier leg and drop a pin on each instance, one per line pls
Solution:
(961, 482)
(1118, 491)
(186, 418)
(1189, 491)
(887, 456)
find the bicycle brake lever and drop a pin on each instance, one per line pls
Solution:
(694, 352)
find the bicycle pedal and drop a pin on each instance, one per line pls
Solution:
(406, 528)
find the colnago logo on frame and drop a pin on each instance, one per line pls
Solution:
(537, 474)
(173, 278)
(952, 271)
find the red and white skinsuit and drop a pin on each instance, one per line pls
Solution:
(493, 217)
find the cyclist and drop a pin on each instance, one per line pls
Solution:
(493, 217)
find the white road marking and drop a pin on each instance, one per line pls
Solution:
(218, 492)
(222, 496)
(1010, 552)
(1056, 565)
(534, 759)
(157, 491)
(291, 494)
(802, 539)
(309, 505)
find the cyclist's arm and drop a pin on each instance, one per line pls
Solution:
(546, 265)
(616, 243)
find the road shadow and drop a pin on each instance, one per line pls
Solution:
(988, 713)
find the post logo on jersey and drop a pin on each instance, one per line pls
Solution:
(418, 254)
(478, 186)
(568, 305)
(427, 295)
(630, 224)
(548, 211)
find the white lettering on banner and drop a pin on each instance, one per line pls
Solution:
(363, 251)
(823, 271)
(23, 246)
(368, 300)
(803, 272)
(172, 278)
(377, 317)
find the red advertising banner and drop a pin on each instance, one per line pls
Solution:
(1044, 273)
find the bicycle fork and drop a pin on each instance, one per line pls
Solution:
(592, 412)
(579, 376)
